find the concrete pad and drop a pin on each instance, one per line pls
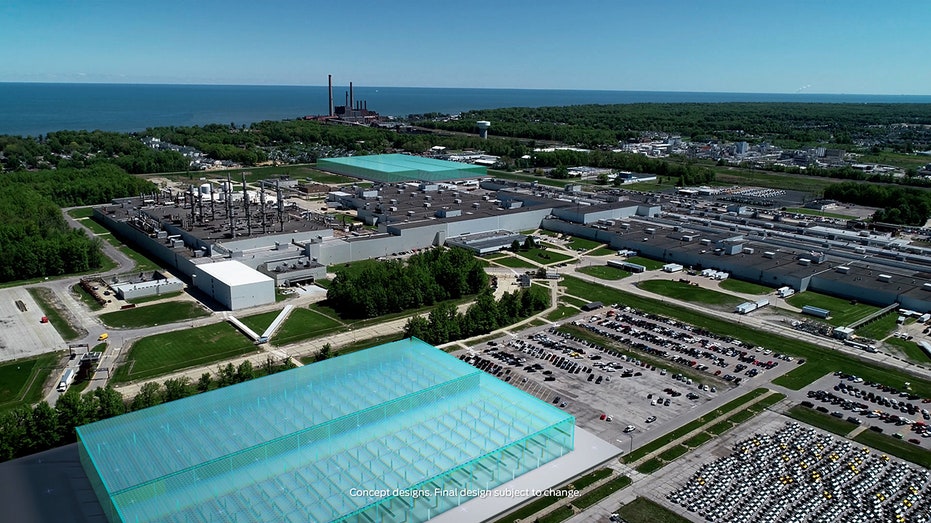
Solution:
(22, 334)
(590, 451)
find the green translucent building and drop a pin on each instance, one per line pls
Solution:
(398, 432)
(401, 168)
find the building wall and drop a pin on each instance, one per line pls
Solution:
(234, 296)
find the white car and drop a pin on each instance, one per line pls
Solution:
(629, 428)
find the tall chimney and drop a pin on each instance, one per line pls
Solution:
(329, 78)
(351, 99)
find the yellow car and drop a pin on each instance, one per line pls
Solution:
(103, 337)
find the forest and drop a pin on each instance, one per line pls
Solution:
(785, 124)
(445, 324)
(383, 287)
(898, 205)
(35, 239)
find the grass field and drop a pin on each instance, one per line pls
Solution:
(690, 293)
(155, 314)
(259, 322)
(843, 312)
(526, 177)
(642, 510)
(21, 380)
(605, 272)
(603, 251)
(165, 353)
(304, 324)
(583, 243)
(45, 299)
(142, 262)
(562, 312)
(81, 212)
(157, 297)
(543, 256)
(744, 287)
(910, 349)
(86, 298)
(820, 360)
(878, 328)
(896, 447)
(95, 227)
(821, 420)
(599, 493)
(514, 262)
(557, 516)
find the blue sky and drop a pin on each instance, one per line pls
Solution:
(780, 46)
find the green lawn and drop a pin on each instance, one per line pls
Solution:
(155, 314)
(911, 350)
(142, 262)
(839, 426)
(526, 177)
(303, 324)
(86, 298)
(820, 360)
(878, 328)
(81, 212)
(651, 265)
(529, 509)
(583, 243)
(562, 312)
(720, 428)
(514, 262)
(605, 272)
(896, 447)
(259, 322)
(599, 493)
(603, 251)
(697, 440)
(650, 466)
(744, 287)
(673, 453)
(160, 354)
(544, 256)
(573, 301)
(842, 311)
(21, 380)
(156, 297)
(557, 516)
(691, 293)
(591, 478)
(642, 510)
(45, 299)
(95, 227)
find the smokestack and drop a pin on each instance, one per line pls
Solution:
(351, 99)
(329, 78)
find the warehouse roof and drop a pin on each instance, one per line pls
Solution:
(233, 272)
(294, 446)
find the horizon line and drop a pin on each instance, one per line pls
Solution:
(800, 93)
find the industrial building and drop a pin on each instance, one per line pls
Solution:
(387, 168)
(346, 439)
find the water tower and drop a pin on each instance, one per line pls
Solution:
(483, 126)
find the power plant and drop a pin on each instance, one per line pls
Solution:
(352, 111)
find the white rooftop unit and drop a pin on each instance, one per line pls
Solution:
(843, 269)
(884, 278)
(769, 254)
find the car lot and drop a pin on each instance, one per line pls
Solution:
(878, 407)
(639, 379)
(810, 476)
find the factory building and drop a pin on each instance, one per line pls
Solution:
(234, 284)
(332, 441)
(400, 168)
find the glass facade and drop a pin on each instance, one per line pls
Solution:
(401, 168)
(398, 432)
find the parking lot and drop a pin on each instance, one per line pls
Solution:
(22, 331)
(651, 375)
(877, 407)
(810, 476)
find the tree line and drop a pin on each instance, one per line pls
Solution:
(799, 123)
(688, 174)
(370, 289)
(445, 323)
(35, 239)
(26, 430)
(898, 205)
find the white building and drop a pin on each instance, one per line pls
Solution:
(234, 285)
